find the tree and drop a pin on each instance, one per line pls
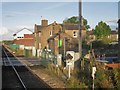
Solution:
(75, 20)
(102, 30)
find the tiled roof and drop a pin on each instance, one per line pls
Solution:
(90, 32)
(114, 32)
(26, 42)
(55, 35)
(62, 36)
(72, 27)
(38, 28)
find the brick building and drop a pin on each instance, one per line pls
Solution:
(43, 32)
(48, 36)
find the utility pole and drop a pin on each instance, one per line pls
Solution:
(119, 40)
(80, 29)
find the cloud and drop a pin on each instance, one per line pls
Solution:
(13, 14)
(3, 30)
(9, 15)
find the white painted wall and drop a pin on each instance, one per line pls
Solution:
(29, 47)
(34, 51)
(22, 47)
(59, 59)
(38, 53)
(21, 33)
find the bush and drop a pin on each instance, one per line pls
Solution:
(116, 75)
(75, 83)
(102, 79)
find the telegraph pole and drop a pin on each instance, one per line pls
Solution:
(119, 40)
(80, 29)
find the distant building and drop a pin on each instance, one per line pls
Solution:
(113, 35)
(91, 36)
(20, 34)
(26, 42)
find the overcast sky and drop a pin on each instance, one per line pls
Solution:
(17, 15)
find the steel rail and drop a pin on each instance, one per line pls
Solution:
(15, 71)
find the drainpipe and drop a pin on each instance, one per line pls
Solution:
(59, 43)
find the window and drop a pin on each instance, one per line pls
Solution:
(39, 34)
(50, 33)
(39, 45)
(74, 34)
(35, 34)
(117, 36)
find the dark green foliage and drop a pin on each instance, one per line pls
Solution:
(116, 75)
(8, 42)
(85, 23)
(102, 79)
(102, 30)
(75, 20)
(97, 44)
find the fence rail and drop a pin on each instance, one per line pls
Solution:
(48, 57)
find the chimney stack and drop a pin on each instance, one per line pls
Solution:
(44, 22)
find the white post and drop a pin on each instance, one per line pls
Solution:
(93, 83)
(93, 75)
(69, 71)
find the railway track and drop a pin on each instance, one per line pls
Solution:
(16, 75)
